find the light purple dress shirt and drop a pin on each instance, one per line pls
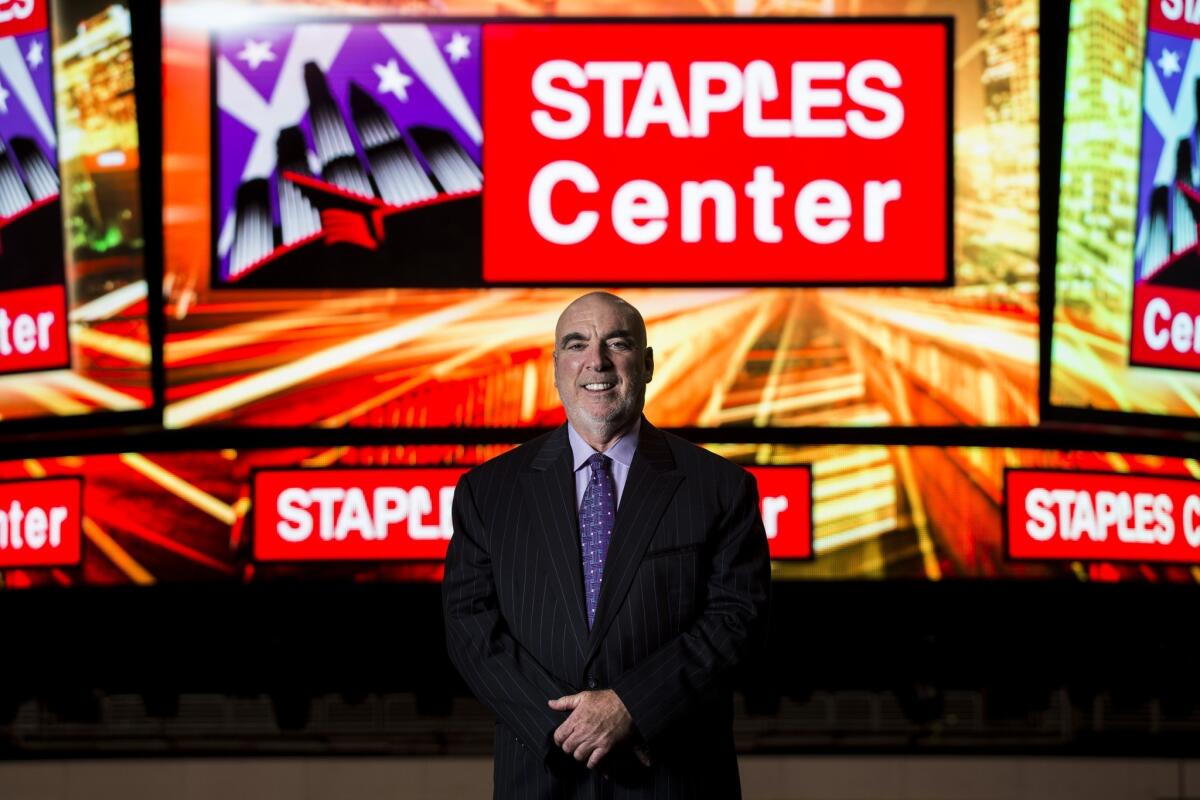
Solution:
(621, 454)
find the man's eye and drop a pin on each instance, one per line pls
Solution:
(619, 345)
(575, 346)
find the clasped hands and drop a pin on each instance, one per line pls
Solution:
(597, 723)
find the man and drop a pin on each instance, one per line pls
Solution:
(603, 583)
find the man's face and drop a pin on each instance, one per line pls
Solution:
(601, 363)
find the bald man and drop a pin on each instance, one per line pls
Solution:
(603, 584)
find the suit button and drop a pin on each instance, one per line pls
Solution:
(591, 682)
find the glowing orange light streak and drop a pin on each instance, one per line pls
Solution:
(123, 561)
(271, 381)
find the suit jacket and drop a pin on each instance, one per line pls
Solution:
(682, 603)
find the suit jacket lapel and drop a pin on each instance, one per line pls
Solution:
(651, 484)
(549, 488)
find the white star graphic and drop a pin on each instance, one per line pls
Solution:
(459, 47)
(3, 99)
(35, 56)
(255, 53)
(1168, 62)
(391, 79)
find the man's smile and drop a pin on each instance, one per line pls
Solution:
(599, 388)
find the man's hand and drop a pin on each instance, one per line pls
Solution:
(598, 722)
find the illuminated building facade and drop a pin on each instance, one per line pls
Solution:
(97, 114)
(996, 214)
(1101, 133)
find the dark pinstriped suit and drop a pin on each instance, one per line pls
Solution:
(683, 601)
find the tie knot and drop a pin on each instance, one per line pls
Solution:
(599, 463)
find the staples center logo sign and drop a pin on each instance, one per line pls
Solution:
(18, 17)
(41, 522)
(33, 331)
(785, 500)
(668, 153)
(404, 514)
(1179, 17)
(353, 514)
(1102, 517)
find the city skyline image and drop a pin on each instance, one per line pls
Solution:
(354, 145)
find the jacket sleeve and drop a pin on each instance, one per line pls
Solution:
(662, 689)
(501, 673)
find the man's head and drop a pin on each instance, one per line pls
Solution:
(601, 365)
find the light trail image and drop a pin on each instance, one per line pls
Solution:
(111, 369)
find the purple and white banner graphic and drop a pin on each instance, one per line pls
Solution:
(31, 240)
(347, 155)
(1166, 289)
(1166, 225)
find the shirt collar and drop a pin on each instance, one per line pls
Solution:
(621, 451)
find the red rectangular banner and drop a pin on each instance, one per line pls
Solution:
(1178, 17)
(353, 514)
(33, 329)
(785, 499)
(19, 17)
(404, 514)
(41, 522)
(1095, 516)
(1166, 327)
(665, 153)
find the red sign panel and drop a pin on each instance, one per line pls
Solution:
(18, 17)
(1180, 17)
(353, 514)
(1102, 517)
(404, 514)
(33, 329)
(717, 153)
(41, 522)
(1166, 327)
(785, 499)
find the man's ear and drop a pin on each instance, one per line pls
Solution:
(649, 364)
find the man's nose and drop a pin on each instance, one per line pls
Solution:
(597, 358)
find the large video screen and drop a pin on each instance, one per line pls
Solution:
(382, 513)
(33, 333)
(1126, 320)
(374, 220)
(73, 294)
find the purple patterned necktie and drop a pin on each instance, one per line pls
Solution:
(596, 517)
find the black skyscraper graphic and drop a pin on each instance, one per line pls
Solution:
(31, 249)
(335, 149)
(297, 218)
(400, 177)
(454, 170)
(254, 238)
(1183, 220)
(14, 195)
(1169, 250)
(365, 202)
(1158, 235)
(40, 177)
